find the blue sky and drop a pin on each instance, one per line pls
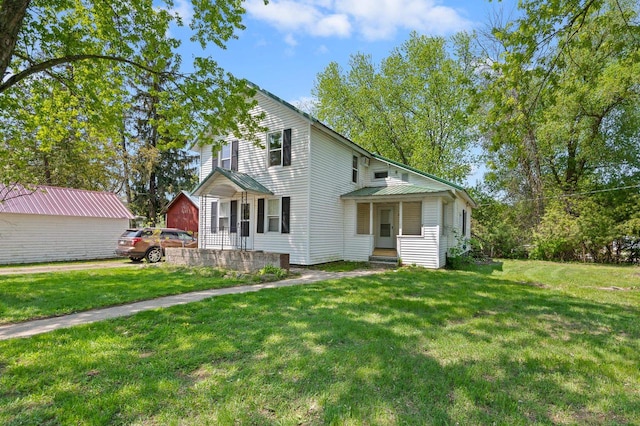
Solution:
(288, 42)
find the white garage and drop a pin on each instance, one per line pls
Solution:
(46, 224)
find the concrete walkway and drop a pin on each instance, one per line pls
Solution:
(31, 328)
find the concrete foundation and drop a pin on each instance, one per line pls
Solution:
(236, 260)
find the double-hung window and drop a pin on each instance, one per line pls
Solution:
(225, 156)
(275, 148)
(224, 217)
(273, 215)
(279, 147)
(276, 215)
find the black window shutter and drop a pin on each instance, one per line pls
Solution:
(286, 206)
(214, 160)
(464, 223)
(233, 217)
(260, 229)
(214, 217)
(234, 156)
(286, 148)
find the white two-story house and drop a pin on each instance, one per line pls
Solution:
(314, 194)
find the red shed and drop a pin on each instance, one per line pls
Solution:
(182, 213)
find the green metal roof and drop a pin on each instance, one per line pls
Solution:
(380, 191)
(241, 180)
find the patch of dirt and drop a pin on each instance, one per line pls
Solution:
(615, 288)
(533, 284)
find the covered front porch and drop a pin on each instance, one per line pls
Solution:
(403, 223)
(227, 212)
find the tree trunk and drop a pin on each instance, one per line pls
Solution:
(12, 14)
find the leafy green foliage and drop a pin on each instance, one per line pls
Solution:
(71, 66)
(562, 139)
(412, 108)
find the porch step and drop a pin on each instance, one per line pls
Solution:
(383, 261)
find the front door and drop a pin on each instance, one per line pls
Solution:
(385, 227)
(246, 241)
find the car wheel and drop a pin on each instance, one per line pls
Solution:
(154, 255)
(136, 259)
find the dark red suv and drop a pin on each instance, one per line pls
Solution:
(149, 243)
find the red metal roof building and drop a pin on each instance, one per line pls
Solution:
(46, 223)
(56, 201)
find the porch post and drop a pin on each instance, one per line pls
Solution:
(400, 220)
(370, 217)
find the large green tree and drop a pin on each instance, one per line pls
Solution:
(562, 128)
(411, 108)
(87, 51)
(563, 100)
(157, 167)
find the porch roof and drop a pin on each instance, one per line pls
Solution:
(223, 182)
(393, 190)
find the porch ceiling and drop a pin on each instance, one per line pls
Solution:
(224, 183)
(392, 191)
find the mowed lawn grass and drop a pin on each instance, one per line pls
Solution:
(33, 296)
(520, 343)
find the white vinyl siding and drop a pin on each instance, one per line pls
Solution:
(356, 247)
(331, 177)
(290, 181)
(41, 238)
(421, 250)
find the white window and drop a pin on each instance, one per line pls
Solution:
(274, 141)
(225, 156)
(224, 217)
(381, 175)
(273, 215)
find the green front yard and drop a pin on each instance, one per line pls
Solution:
(24, 297)
(524, 343)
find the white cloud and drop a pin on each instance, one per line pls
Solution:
(371, 19)
(305, 16)
(322, 50)
(183, 9)
(290, 40)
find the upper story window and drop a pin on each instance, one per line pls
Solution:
(354, 171)
(274, 140)
(227, 157)
(381, 175)
(279, 148)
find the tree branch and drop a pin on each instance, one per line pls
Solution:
(51, 63)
